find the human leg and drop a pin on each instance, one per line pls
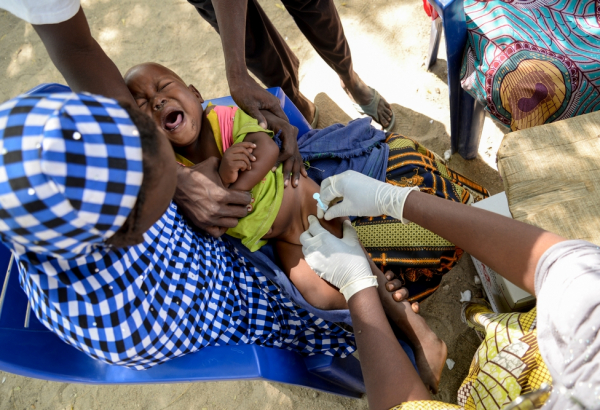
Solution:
(268, 56)
(430, 351)
(320, 23)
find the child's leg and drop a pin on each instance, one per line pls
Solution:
(315, 290)
(430, 351)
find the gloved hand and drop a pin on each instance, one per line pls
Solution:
(341, 262)
(362, 196)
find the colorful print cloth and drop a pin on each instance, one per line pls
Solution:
(532, 62)
(417, 256)
(506, 365)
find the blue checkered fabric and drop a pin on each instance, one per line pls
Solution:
(173, 294)
(70, 171)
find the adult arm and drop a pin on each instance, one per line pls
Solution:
(81, 60)
(247, 94)
(204, 200)
(511, 248)
(389, 376)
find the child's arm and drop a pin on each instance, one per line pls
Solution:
(236, 158)
(265, 152)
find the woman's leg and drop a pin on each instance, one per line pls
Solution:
(430, 351)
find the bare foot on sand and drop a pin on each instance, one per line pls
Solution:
(361, 94)
(430, 357)
(430, 351)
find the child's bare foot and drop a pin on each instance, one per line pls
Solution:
(430, 351)
(394, 286)
(430, 357)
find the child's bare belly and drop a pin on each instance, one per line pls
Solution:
(291, 221)
(296, 206)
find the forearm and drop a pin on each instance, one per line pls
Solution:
(269, 116)
(231, 18)
(509, 247)
(81, 60)
(389, 375)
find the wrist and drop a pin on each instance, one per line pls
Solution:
(365, 282)
(407, 206)
(182, 176)
(237, 75)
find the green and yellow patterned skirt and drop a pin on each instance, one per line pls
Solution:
(507, 364)
(417, 256)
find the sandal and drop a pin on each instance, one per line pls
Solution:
(315, 120)
(371, 110)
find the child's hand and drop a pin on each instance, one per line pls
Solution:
(237, 158)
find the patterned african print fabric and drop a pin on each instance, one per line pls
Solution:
(173, 294)
(532, 62)
(426, 405)
(506, 365)
(417, 256)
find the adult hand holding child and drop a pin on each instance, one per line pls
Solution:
(205, 201)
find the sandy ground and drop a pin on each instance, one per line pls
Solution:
(389, 40)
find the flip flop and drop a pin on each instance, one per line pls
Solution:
(315, 120)
(371, 110)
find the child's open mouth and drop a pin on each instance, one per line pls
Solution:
(173, 120)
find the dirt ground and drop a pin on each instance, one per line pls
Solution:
(388, 39)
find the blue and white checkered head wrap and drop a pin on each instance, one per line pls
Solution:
(70, 172)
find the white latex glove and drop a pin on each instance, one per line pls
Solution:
(341, 262)
(363, 196)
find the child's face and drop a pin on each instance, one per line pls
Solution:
(174, 107)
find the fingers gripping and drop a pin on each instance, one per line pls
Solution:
(328, 192)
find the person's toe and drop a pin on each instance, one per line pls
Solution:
(400, 295)
(393, 285)
(385, 113)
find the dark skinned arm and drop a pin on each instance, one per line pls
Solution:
(247, 94)
(509, 247)
(266, 153)
(289, 155)
(390, 377)
(81, 60)
(204, 200)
